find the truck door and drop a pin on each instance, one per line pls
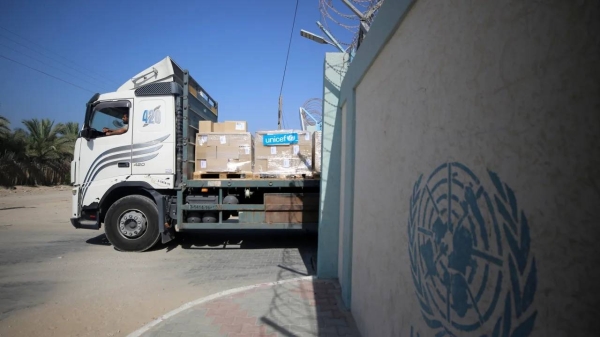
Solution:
(104, 159)
(153, 124)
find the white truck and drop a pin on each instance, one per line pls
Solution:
(133, 169)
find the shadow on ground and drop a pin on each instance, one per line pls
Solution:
(10, 208)
(305, 243)
(312, 308)
(286, 241)
(309, 307)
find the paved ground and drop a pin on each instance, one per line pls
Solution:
(296, 308)
(59, 281)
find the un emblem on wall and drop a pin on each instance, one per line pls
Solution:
(469, 252)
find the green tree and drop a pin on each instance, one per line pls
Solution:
(4, 127)
(46, 150)
(44, 142)
(38, 154)
(12, 155)
(70, 131)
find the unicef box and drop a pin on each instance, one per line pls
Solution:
(283, 152)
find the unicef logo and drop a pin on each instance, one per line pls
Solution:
(469, 252)
(291, 138)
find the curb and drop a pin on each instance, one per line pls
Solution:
(201, 300)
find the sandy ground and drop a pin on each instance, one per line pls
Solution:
(56, 280)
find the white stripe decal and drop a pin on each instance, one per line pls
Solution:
(103, 160)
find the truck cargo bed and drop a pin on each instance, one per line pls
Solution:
(263, 199)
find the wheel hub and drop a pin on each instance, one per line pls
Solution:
(132, 224)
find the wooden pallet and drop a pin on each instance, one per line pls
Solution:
(256, 176)
(223, 175)
(286, 176)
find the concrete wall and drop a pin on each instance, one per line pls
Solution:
(477, 169)
(334, 69)
(346, 193)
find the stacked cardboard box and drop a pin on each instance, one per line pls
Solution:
(223, 127)
(223, 147)
(288, 159)
(228, 147)
(316, 153)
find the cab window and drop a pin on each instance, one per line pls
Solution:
(109, 115)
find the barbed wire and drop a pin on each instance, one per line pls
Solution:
(325, 7)
(340, 68)
(346, 19)
(314, 106)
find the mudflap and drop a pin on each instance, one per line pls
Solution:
(166, 232)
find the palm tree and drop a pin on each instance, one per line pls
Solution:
(4, 127)
(12, 155)
(14, 168)
(46, 149)
(70, 131)
(44, 142)
(39, 154)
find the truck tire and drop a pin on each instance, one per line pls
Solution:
(131, 224)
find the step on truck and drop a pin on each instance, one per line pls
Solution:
(133, 169)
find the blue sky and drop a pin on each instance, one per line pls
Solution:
(236, 49)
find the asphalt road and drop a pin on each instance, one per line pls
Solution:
(59, 281)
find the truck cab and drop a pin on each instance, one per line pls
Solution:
(128, 144)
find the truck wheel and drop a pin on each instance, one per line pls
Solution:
(131, 224)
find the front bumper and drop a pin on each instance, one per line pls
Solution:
(85, 224)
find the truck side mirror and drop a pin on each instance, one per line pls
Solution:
(87, 133)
